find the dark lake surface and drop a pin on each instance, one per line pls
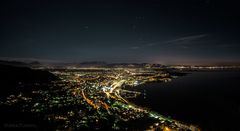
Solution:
(210, 100)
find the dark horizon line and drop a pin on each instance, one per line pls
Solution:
(45, 61)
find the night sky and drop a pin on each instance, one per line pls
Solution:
(155, 31)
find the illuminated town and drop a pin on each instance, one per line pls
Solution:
(168, 65)
(96, 98)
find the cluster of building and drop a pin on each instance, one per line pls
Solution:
(95, 99)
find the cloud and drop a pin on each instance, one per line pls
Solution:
(186, 39)
(180, 41)
(135, 47)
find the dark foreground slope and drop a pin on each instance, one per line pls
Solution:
(13, 79)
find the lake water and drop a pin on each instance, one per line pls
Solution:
(208, 99)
